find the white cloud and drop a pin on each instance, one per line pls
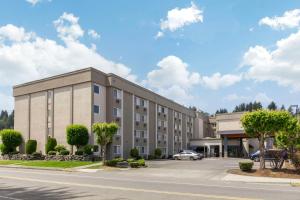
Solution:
(217, 81)
(263, 98)
(178, 18)
(93, 34)
(33, 2)
(159, 35)
(173, 79)
(6, 102)
(290, 19)
(39, 57)
(15, 34)
(235, 97)
(281, 65)
(68, 28)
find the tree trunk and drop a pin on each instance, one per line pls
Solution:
(71, 149)
(262, 152)
(103, 153)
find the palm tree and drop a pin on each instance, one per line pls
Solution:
(104, 132)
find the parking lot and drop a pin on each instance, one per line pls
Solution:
(164, 179)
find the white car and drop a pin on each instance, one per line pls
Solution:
(187, 155)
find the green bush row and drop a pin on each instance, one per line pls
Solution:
(246, 165)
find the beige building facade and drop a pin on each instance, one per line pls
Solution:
(44, 108)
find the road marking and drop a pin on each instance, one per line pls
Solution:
(130, 189)
(11, 198)
(163, 182)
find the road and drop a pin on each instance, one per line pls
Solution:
(161, 180)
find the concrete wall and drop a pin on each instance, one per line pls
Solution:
(128, 126)
(82, 109)
(152, 128)
(228, 125)
(21, 122)
(170, 136)
(38, 119)
(62, 113)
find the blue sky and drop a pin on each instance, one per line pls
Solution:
(211, 54)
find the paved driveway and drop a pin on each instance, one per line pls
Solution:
(162, 180)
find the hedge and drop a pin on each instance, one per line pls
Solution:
(60, 148)
(134, 153)
(246, 165)
(52, 153)
(77, 135)
(11, 139)
(157, 153)
(51, 144)
(31, 146)
(64, 152)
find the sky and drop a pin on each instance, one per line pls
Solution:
(206, 53)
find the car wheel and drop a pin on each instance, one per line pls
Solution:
(192, 158)
(176, 158)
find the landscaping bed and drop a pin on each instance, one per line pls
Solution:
(274, 173)
(47, 164)
(37, 156)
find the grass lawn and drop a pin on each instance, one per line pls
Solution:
(54, 164)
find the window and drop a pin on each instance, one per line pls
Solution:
(96, 109)
(179, 126)
(142, 149)
(163, 110)
(159, 109)
(137, 134)
(159, 138)
(137, 101)
(117, 94)
(137, 117)
(164, 137)
(159, 123)
(144, 134)
(143, 118)
(118, 131)
(163, 151)
(96, 89)
(116, 112)
(117, 149)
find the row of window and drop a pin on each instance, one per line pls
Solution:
(140, 134)
(161, 123)
(140, 118)
(141, 102)
(177, 138)
(116, 92)
(116, 112)
(177, 126)
(162, 109)
(161, 137)
(141, 149)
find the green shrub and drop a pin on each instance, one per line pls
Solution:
(141, 162)
(134, 165)
(87, 149)
(60, 148)
(64, 152)
(51, 144)
(31, 146)
(3, 149)
(134, 153)
(246, 165)
(79, 152)
(151, 157)
(95, 148)
(157, 153)
(129, 160)
(11, 139)
(52, 153)
(113, 162)
(77, 135)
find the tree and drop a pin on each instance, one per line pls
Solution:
(221, 110)
(289, 138)
(264, 123)
(282, 107)
(77, 135)
(272, 106)
(104, 133)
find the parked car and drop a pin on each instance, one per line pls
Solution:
(188, 155)
(255, 156)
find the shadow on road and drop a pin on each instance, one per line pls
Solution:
(39, 193)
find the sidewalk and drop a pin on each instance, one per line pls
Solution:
(253, 179)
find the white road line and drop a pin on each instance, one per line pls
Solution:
(11, 198)
(131, 189)
(162, 182)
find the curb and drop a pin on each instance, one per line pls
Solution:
(39, 168)
(253, 179)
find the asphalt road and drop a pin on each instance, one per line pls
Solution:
(161, 180)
